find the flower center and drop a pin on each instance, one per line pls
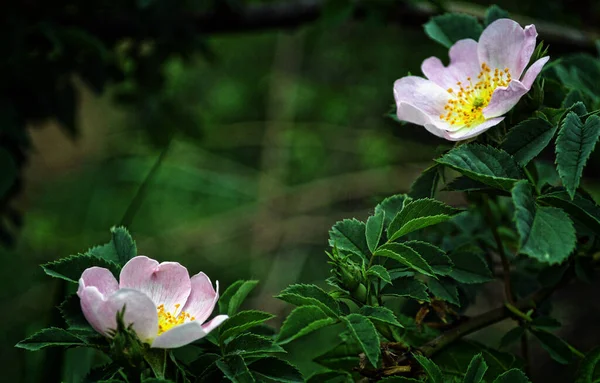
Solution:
(167, 320)
(465, 107)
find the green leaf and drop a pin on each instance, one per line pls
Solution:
(585, 373)
(234, 296)
(444, 289)
(241, 322)
(249, 344)
(119, 250)
(303, 321)
(545, 323)
(400, 379)
(380, 314)
(302, 295)
(491, 166)
(406, 256)
(476, 370)
(380, 272)
(51, 337)
(465, 184)
(408, 287)
(431, 369)
(391, 206)
(512, 376)
(151, 380)
(70, 310)
(374, 229)
(365, 333)
(558, 349)
(435, 257)
(276, 369)
(528, 138)
(546, 233)
(331, 377)
(426, 184)
(418, 214)
(71, 268)
(235, 369)
(574, 144)
(494, 13)
(512, 336)
(449, 28)
(581, 208)
(469, 267)
(344, 356)
(349, 235)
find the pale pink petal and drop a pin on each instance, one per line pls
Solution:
(533, 71)
(167, 283)
(186, 333)
(464, 63)
(466, 133)
(100, 278)
(504, 44)
(412, 114)
(101, 311)
(202, 299)
(423, 94)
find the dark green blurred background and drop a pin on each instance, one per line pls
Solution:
(240, 161)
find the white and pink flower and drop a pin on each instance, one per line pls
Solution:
(166, 308)
(483, 81)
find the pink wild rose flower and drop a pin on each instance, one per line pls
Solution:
(167, 308)
(483, 81)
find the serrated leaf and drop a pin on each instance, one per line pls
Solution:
(449, 28)
(302, 295)
(391, 206)
(124, 245)
(418, 214)
(581, 208)
(331, 377)
(491, 166)
(557, 348)
(469, 267)
(406, 256)
(494, 13)
(374, 229)
(431, 369)
(235, 369)
(407, 287)
(249, 344)
(349, 235)
(380, 272)
(585, 373)
(241, 322)
(380, 314)
(303, 321)
(344, 356)
(365, 334)
(528, 138)
(444, 289)
(234, 296)
(276, 369)
(574, 144)
(435, 257)
(426, 184)
(51, 337)
(70, 310)
(512, 336)
(465, 184)
(512, 376)
(546, 233)
(476, 370)
(71, 268)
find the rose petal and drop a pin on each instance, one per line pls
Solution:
(466, 133)
(504, 44)
(202, 299)
(186, 333)
(424, 95)
(167, 283)
(504, 99)
(101, 312)
(533, 71)
(464, 63)
(100, 278)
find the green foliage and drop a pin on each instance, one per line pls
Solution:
(527, 139)
(426, 184)
(444, 289)
(231, 300)
(242, 321)
(301, 295)
(349, 235)
(435, 257)
(365, 334)
(512, 376)
(476, 370)
(580, 208)
(488, 165)
(252, 344)
(380, 272)
(380, 315)
(469, 267)
(431, 369)
(276, 369)
(408, 287)
(575, 142)
(302, 321)
(406, 256)
(494, 13)
(586, 372)
(51, 337)
(70, 310)
(391, 206)
(558, 349)
(374, 229)
(451, 27)
(418, 214)
(71, 268)
(119, 250)
(235, 369)
(546, 233)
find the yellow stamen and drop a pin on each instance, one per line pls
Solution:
(167, 320)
